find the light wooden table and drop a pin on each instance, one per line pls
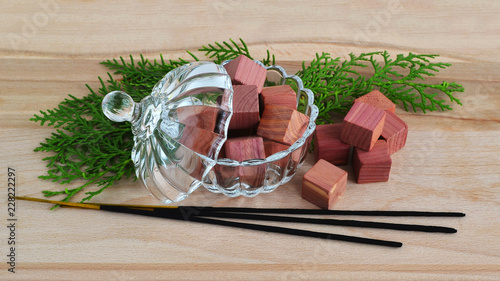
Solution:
(50, 48)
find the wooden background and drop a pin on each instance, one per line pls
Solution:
(51, 48)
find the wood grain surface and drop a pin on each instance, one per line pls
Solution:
(52, 48)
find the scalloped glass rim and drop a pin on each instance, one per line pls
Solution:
(310, 109)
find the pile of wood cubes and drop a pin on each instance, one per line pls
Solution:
(265, 119)
(374, 131)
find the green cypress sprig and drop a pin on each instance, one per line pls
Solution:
(86, 145)
(220, 52)
(336, 84)
(139, 78)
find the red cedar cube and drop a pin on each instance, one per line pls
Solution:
(324, 184)
(328, 146)
(294, 157)
(377, 99)
(199, 140)
(272, 147)
(282, 95)
(362, 125)
(244, 71)
(245, 108)
(395, 132)
(246, 148)
(373, 165)
(282, 124)
(200, 116)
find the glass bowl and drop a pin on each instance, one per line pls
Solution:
(180, 128)
(227, 176)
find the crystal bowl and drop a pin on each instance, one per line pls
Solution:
(225, 177)
(180, 128)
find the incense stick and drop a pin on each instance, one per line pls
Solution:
(199, 209)
(251, 226)
(208, 214)
(351, 223)
(177, 214)
(370, 213)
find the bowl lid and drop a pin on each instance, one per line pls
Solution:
(179, 129)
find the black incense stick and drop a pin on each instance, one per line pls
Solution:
(265, 228)
(178, 214)
(202, 209)
(351, 223)
(206, 215)
(322, 212)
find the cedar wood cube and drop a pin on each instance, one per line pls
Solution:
(362, 125)
(282, 124)
(272, 147)
(245, 108)
(372, 166)
(379, 100)
(246, 148)
(244, 71)
(324, 184)
(200, 116)
(395, 132)
(328, 146)
(282, 95)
